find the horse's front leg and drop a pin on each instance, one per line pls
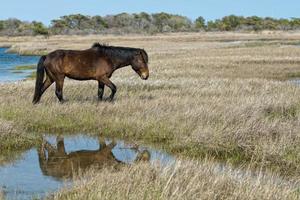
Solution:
(49, 148)
(112, 86)
(100, 90)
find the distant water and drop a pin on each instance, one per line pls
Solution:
(10, 60)
(295, 81)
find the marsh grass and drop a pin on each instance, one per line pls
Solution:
(202, 100)
(24, 67)
(196, 121)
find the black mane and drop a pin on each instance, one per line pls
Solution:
(122, 52)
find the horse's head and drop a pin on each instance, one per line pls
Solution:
(139, 64)
(143, 156)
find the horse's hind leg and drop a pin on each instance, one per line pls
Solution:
(46, 84)
(59, 89)
(42, 158)
(41, 152)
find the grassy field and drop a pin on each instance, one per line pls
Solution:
(217, 96)
(186, 180)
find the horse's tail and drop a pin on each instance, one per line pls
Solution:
(39, 80)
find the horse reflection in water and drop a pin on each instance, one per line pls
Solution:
(59, 164)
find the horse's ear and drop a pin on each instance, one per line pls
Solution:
(96, 45)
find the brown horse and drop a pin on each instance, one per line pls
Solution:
(97, 63)
(55, 162)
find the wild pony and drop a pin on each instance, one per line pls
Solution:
(96, 63)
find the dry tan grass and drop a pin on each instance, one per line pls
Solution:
(185, 180)
(157, 43)
(1, 195)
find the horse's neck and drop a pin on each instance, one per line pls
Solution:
(120, 64)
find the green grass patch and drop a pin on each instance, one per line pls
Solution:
(22, 68)
(17, 72)
(25, 67)
(31, 76)
(293, 75)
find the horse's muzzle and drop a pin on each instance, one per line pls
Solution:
(144, 76)
(144, 73)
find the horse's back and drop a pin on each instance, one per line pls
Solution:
(86, 64)
(76, 64)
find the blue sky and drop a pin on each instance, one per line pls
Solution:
(45, 10)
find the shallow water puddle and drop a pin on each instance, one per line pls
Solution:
(50, 166)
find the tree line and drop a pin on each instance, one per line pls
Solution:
(143, 23)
